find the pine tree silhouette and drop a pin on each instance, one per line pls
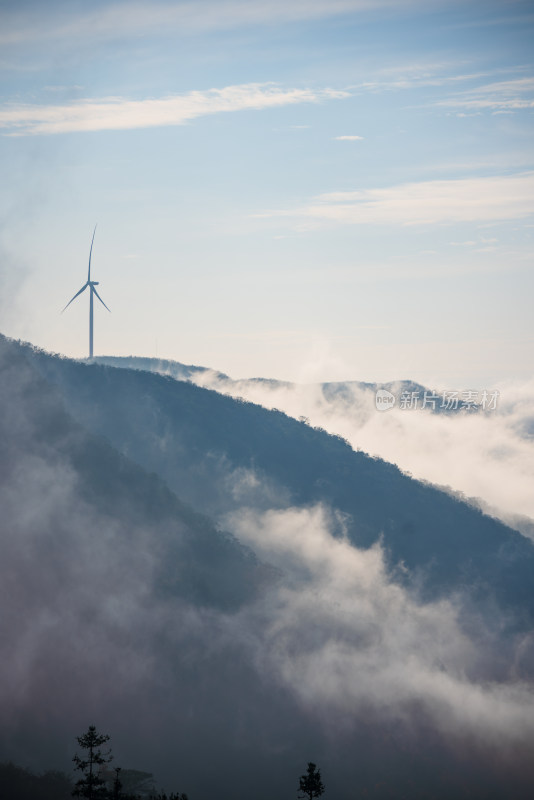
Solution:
(91, 786)
(311, 784)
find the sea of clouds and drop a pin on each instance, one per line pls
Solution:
(332, 660)
(487, 456)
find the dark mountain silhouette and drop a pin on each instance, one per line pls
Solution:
(104, 577)
(125, 607)
(216, 568)
(203, 444)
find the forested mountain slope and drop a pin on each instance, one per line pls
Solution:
(220, 454)
(224, 662)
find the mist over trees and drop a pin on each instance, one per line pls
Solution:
(96, 781)
(221, 455)
(216, 583)
(17, 783)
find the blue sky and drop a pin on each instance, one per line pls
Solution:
(302, 190)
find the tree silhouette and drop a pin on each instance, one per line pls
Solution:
(91, 786)
(17, 782)
(117, 785)
(311, 784)
(173, 796)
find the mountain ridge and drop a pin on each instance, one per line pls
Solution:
(297, 634)
(201, 441)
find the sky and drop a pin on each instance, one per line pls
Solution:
(305, 190)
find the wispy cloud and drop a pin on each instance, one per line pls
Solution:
(124, 19)
(512, 95)
(119, 113)
(414, 76)
(501, 96)
(474, 242)
(424, 203)
(348, 138)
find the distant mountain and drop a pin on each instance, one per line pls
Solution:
(224, 669)
(213, 379)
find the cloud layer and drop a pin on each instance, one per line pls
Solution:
(116, 113)
(348, 641)
(486, 456)
(425, 203)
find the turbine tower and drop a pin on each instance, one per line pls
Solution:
(91, 284)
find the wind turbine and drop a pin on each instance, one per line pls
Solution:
(91, 284)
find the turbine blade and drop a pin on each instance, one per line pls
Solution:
(84, 287)
(90, 252)
(105, 306)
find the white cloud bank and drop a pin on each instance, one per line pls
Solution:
(489, 456)
(347, 641)
(425, 203)
(118, 113)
